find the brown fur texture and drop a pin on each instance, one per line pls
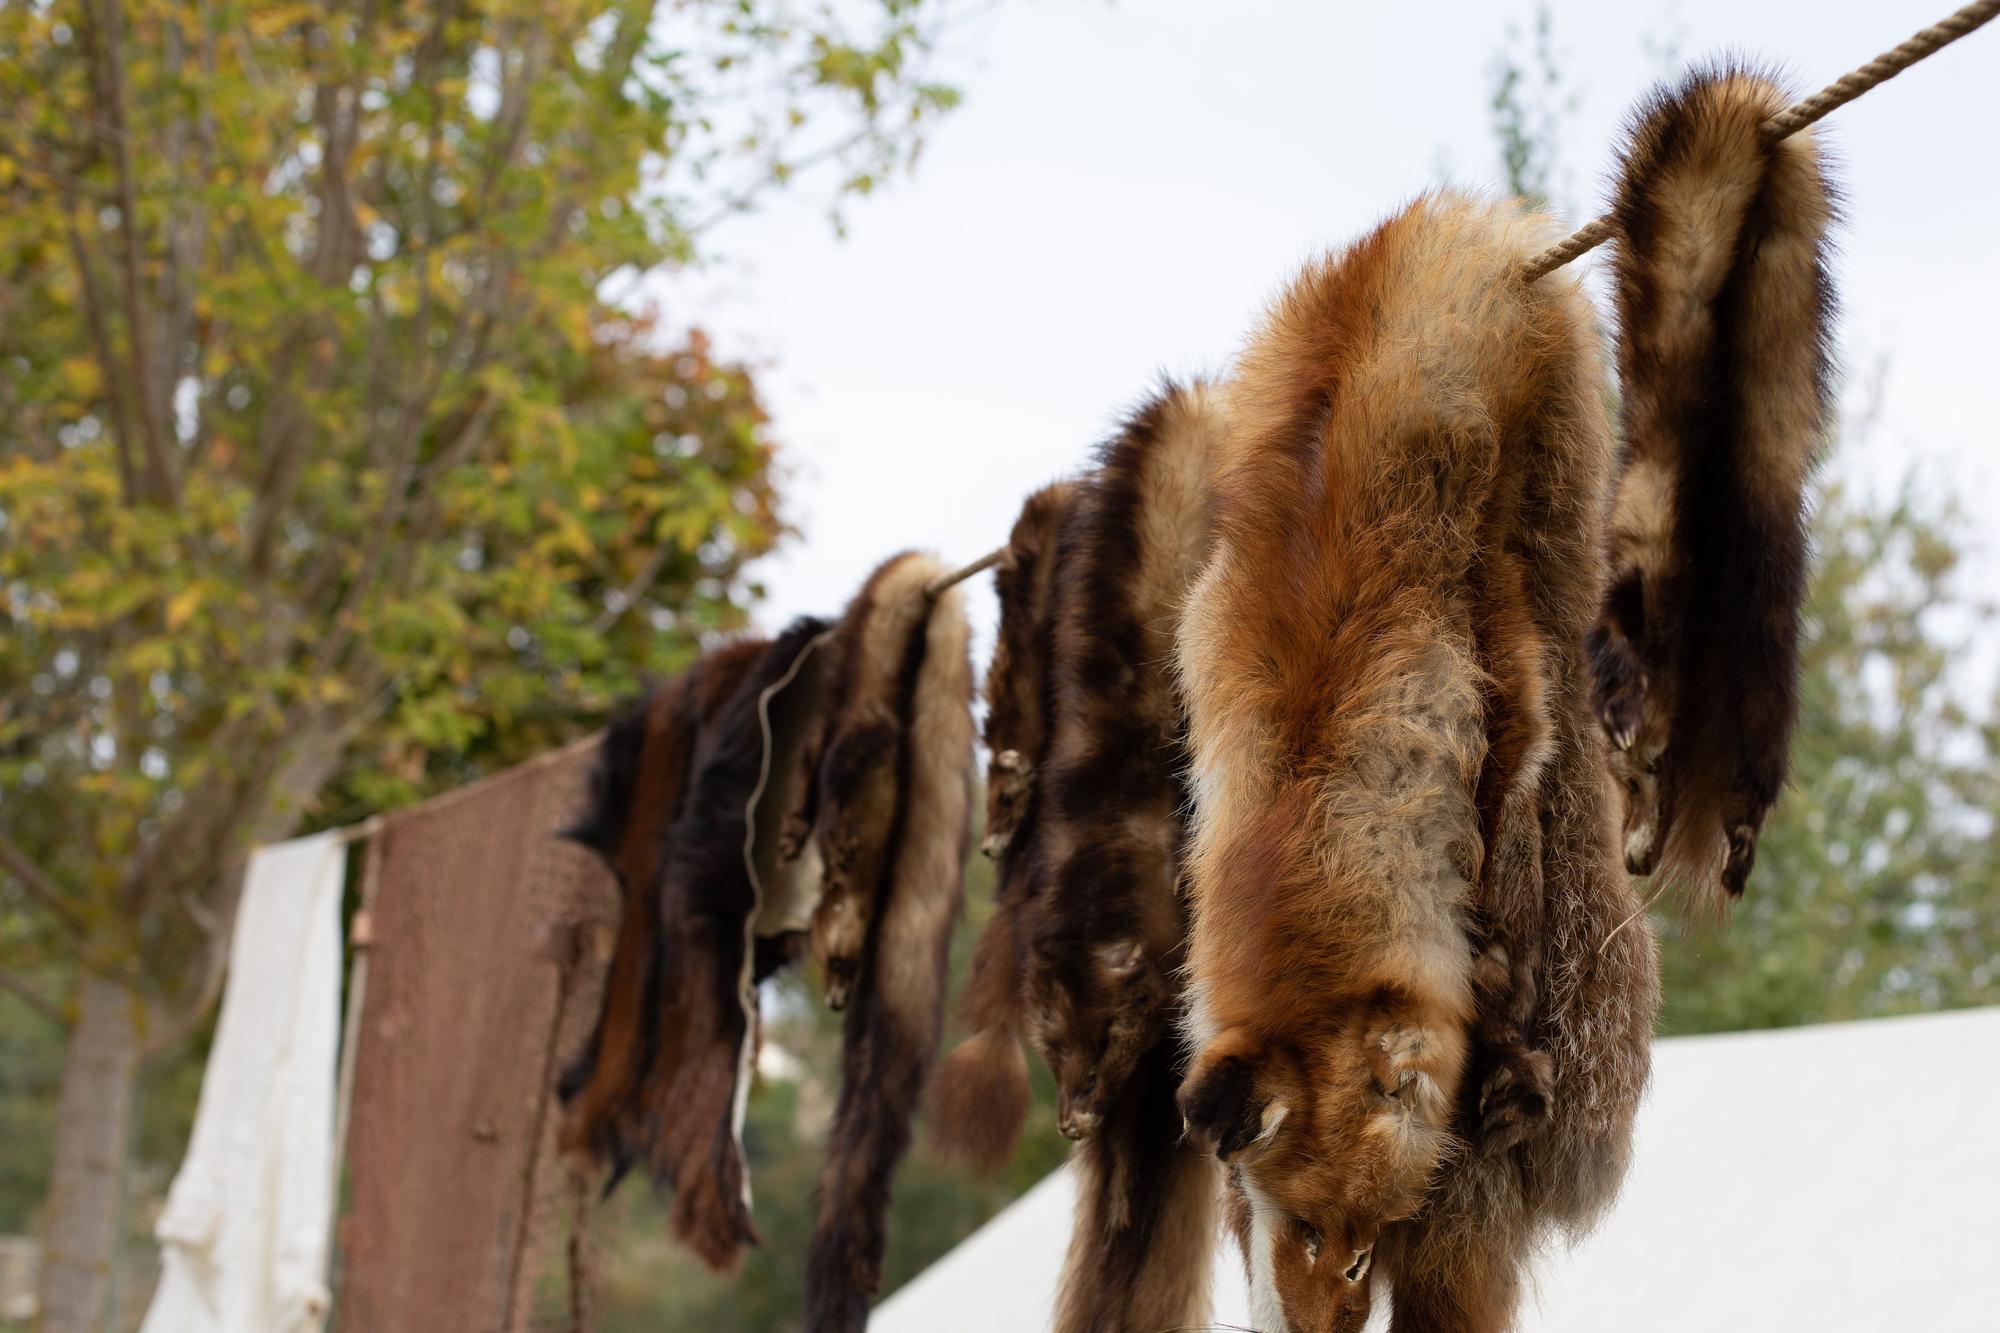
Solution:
(1104, 938)
(1144, 1230)
(851, 797)
(658, 1081)
(979, 1095)
(1387, 701)
(1724, 309)
(895, 1014)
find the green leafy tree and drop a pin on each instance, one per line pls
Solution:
(330, 468)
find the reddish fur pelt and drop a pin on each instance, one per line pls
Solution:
(1409, 1050)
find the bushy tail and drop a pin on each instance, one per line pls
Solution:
(979, 1094)
(1725, 306)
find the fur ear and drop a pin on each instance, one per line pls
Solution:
(1223, 1099)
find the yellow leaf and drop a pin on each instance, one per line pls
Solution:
(183, 605)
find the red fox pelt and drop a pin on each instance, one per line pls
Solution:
(1724, 311)
(979, 1095)
(1395, 770)
(895, 632)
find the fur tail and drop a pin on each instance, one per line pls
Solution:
(979, 1095)
(1725, 306)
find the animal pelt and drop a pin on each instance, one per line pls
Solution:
(1142, 1241)
(1388, 713)
(979, 1095)
(1724, 310)
(660, 1079)
(895, 1012)
(1105, 934)
(849, 797)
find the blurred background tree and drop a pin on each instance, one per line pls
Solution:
(331, 467)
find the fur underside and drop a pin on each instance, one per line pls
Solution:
(1725, 305)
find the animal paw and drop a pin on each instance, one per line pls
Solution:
(1515, 1100)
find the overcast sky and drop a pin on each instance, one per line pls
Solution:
(1126, 185)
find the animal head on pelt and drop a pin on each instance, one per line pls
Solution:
(1330, 659)
(1103, 937)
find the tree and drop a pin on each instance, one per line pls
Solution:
(330, 461)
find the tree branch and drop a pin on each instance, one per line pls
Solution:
(33, 998)
(39, 885)
(116, 138)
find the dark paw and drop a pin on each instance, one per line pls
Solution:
(1514, 1101)
(1742, 858)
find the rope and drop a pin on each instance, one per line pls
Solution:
(938, 586)
(1786, 123)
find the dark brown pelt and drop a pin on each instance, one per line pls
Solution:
(979, 1095)
(657, 1082)
(1725, 306)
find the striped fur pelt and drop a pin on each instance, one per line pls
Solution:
(979, 1095)
(659, 1082)
(1725, 306)
(1392, 760)
(1104, 935)
(889, 811)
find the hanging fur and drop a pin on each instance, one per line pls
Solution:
(1386, 689)
(1105, 934)
(850, 799)
(1143, 1239)
(979, 1095)
(660, 1080)
(1104, 939)
(894, 631)
(1725, 307)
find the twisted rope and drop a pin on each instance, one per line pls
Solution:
(1929, 41)
(1788, 122)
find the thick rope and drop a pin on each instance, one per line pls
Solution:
(1790, 121)
(1837, 94)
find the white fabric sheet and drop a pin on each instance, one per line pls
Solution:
(244, 1235)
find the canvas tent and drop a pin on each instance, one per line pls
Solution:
(1834, 1178)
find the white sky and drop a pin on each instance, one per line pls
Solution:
(1126, 185)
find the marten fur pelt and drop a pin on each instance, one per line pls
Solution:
(1725, 307)
(1104, 936)
(1393, 774)
(658, 1081)
(849, 795)
(979, 1095)
(895, 632)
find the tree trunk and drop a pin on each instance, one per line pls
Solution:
(100, 1072)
